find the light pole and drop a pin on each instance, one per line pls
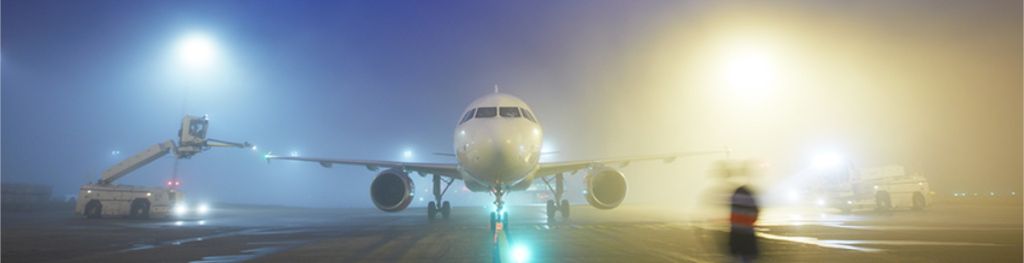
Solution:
(196, 54)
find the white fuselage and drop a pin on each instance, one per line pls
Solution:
(498, 141)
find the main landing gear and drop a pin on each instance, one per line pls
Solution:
(558, 204)
(445, 208)
(499, 215)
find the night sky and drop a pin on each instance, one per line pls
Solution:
(933, 85)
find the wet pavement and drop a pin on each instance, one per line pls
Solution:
(632, 233)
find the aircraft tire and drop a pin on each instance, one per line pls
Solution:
(504, 221)
(494, 221)
(564, 207)
(446, 209)
(431, 210)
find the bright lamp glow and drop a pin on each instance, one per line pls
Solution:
(180, 209)
(203, 209)
(197, 51)
(828, 161)
(748, 68)
(520, 254)
(793, 195)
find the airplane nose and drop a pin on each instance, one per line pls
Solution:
(506, 157)
(500, 153)
(496, 155)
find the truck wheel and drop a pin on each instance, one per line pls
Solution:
(140, 208)
(918, 201)
(883, 201)
(93, 209)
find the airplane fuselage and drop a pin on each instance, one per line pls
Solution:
(497, 142)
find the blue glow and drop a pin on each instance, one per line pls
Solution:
(197, 51)
(520, 253)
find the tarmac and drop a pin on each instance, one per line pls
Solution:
(631, 233)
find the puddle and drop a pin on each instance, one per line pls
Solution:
(851, 244)
(249, 254)
(818, 242)
(137, 247)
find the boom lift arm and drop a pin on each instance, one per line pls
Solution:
(191, 141)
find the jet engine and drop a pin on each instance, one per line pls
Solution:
(606, 187)
(392, 190)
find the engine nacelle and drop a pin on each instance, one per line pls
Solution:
(606, 188)
(392, 190)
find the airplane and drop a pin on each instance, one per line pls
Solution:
(497, 145)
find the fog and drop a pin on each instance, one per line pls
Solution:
(934, 86)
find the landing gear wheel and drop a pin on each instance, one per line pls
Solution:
(446, 209)
(564, 207)
(504, 221)
(431, 210)
(551, 211)
(494, 221)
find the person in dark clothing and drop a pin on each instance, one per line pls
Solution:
(742, 238)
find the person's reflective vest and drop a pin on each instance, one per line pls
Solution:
(744, 210)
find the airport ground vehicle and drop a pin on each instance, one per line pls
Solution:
(106, 199)
(880, 188)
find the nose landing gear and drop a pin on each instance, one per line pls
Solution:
(499, 215)
(499, 218)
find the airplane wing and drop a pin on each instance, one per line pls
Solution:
(548, 169)
(442, 169)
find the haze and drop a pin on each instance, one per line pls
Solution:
(935, 86)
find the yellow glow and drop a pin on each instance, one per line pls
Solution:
(748, 69)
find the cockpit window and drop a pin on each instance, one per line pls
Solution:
(469, 115)
(528, 116)
(509, 112)
(486, 112)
